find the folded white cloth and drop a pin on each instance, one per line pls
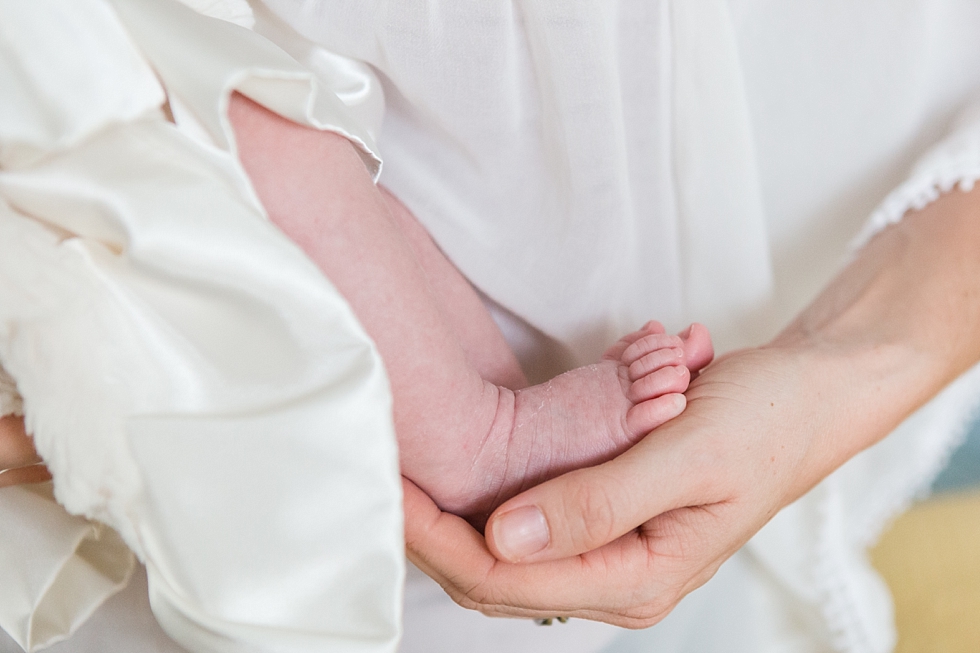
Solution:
(190, 377)
(588, 165)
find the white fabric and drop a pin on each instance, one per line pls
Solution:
(56, 569)
(954, 163)
(124, 624)
(172, 347)
(591, 165)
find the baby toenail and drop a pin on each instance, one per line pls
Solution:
(521, 532)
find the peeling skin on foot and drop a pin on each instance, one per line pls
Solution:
(579, 418)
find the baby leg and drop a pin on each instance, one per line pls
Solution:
(483, 344)
(316, 189)
(467, 441)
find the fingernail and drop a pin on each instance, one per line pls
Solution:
(521, 532)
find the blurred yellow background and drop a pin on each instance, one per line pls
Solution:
(930, 558)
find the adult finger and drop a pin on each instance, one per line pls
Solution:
(16, 447)
(588, 508)
(452, 553)
(628, 583)
(23, 475)
(19, 462)
(432, 535)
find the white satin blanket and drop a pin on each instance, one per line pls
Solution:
(190, 377)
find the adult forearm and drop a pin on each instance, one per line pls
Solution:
(900, 322)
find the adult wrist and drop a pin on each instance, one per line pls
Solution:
(864, 383)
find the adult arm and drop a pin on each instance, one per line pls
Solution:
(623, 542)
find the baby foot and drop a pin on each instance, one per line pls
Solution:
(578, 419)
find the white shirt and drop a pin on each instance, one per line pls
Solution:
(593, 164)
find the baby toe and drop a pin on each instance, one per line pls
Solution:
(648, 415)
(697, 346)
(649, 343)
(616, 351)
(655, 360)
(652, 327)
(666, 380)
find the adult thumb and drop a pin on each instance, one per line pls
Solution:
(582, 510)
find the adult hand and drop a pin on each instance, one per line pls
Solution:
(19, 463)
(624, 541)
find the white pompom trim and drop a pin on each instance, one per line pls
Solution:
(953, 163)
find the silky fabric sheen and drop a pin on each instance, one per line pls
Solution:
(190, 377)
